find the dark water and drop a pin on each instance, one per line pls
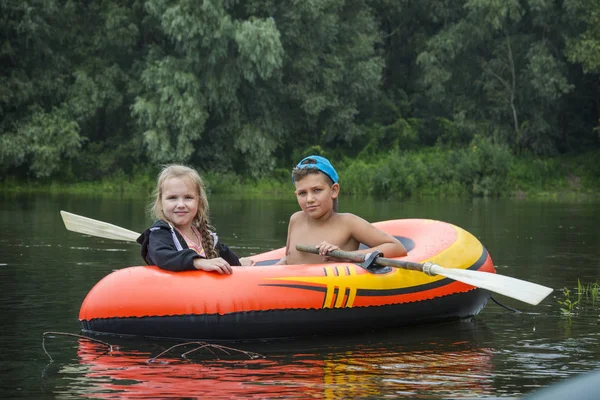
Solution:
(46, 271)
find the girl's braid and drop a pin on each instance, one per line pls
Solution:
(208, 242)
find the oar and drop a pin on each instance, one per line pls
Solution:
(528, 292)
(92, 227)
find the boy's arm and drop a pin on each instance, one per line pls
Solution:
(283, 259)
(287, 242)
(376, 239)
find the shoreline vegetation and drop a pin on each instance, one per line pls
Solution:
(483, 170)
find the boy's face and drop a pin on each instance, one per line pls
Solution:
(314, 194)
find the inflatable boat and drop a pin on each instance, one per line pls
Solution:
(277, 301)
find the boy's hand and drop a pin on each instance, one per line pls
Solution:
(247, 262)
(324, 248)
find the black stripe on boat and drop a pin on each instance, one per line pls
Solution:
(255, 325)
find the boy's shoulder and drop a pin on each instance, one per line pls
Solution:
(297, 216)
(349, 221)
(347, 217)
(337, 219)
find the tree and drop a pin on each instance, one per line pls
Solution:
(498, 69)
(584, 47)
(34, 131)
(64, 83)
(232, 84)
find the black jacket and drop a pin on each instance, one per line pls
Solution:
(164, 247)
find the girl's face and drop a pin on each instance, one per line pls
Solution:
(315, 196)
(180, 201)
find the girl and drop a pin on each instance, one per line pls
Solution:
(181, 239)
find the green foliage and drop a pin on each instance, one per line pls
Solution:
(357, 177)
(241, 80)
(586, 167)
(587, 295)
(570, 174)
(453, 132)
(413, 98)
(261, 54)
(400, 176)
(198, 76)
(41, 141)
(532, 171)
(299, 154)
(584, 48)
(484, 167)
(480, 170)
(512, 90)
(176, 112)
(399, 132)
(568, 304)
(66, 88)
(589, 291)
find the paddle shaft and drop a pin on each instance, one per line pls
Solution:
(357, 257)
(528, 292)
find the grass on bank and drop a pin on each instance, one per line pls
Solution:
(483, 169)
(143, 184)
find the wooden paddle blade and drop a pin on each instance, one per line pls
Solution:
(527, 292)
(92, 227)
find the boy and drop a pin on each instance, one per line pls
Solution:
(320, 224)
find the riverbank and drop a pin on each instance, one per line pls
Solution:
(450, 173)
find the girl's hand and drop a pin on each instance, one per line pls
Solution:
(213, 264)
(247, 262)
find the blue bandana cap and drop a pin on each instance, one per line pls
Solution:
(320, 163)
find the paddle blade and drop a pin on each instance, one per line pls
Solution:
(92, 227)
(528, 292)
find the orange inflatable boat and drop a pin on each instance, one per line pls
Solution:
(275, 301)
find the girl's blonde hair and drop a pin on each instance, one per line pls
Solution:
(201, 220)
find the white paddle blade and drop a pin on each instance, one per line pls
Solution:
(528, 292)
(92, 227)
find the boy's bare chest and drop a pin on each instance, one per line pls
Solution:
(311, 235)
(314, 235)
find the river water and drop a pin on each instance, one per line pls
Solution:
(46, 271)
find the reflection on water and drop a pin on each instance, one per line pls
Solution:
(400, 363)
